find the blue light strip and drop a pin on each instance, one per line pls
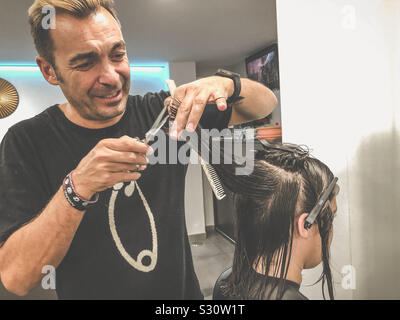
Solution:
(35, 68)
(154, 73)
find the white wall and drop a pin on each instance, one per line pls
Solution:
(185, 72)
(35, 95)
(339, 63)
(182, 72)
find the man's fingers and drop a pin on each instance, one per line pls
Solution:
(125, 167)
(127, 157)
(167, 101)
(221, 103)
(125, 143)
(107, 156)
(219, 99)
(183, 114)
(126, 176)
(199, 103)
(193, 100)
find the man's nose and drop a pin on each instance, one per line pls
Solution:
(109, 76)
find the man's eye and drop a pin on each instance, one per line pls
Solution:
(84, 65)
(119, 56)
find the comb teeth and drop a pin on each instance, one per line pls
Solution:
(213, 179)
(173, 111)
(215, 182)
(209, 170)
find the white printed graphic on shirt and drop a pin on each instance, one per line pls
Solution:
(137, 264)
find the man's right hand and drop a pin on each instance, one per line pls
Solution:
(46, 239)
(109, 162)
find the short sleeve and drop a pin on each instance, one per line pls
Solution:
(22, 196)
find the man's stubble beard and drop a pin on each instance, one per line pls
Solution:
(81, 106)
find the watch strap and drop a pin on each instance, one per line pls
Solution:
(237, 84)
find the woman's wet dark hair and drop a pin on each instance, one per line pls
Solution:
(286, 181)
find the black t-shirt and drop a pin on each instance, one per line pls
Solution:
(290, 288)
(133, 243)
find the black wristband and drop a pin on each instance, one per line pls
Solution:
(235, 77)
(73, 198)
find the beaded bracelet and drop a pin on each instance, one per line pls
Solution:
(73, 198)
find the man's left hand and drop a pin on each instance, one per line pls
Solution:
(194, 96)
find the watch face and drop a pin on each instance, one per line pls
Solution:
(227, 73)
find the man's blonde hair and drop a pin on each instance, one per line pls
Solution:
(78, 8)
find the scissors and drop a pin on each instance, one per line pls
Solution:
(157, 125)
(162, 118)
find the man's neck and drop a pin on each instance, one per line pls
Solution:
(72, 115)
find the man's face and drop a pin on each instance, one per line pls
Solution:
(92, 65)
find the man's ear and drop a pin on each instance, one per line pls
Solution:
(303, 232)
(47, 70)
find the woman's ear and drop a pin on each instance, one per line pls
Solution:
(303, 232)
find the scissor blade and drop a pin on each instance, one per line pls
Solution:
(153, 131)
(159, 119)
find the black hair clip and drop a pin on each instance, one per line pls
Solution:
(318, 207)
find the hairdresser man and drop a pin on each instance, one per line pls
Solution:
(129, 241)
